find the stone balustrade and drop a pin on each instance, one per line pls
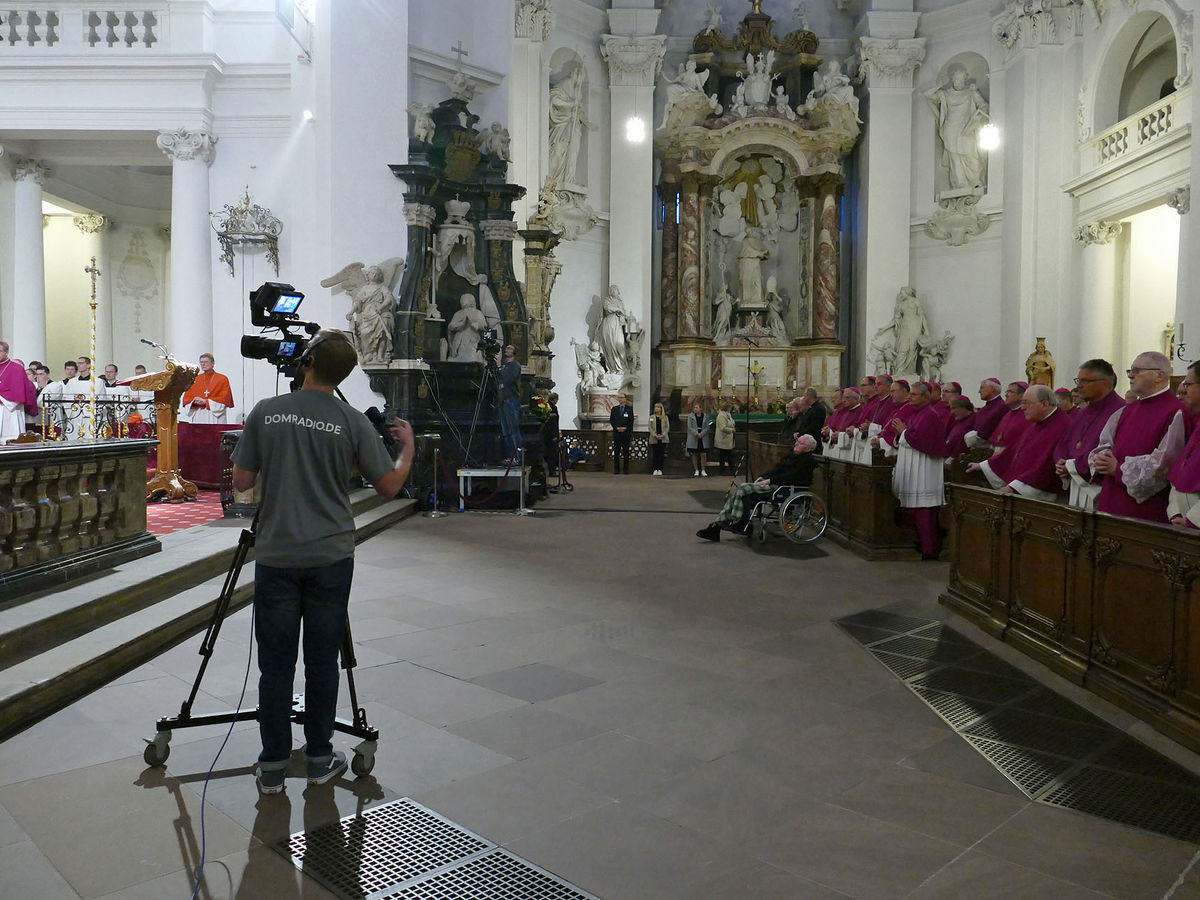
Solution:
(1146, 128)
(71, 27)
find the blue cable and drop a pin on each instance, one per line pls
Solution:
(220, 750)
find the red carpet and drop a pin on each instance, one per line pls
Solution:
(165, 518)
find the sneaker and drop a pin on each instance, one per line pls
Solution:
(696, 474)
(326, 769)
(704, 473)
(269, 781)
(710, 532)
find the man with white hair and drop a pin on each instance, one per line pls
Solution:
(1140, 443)
(796, 469)
(988, 416)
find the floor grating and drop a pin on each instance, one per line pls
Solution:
(405, 850)
(1054, 750)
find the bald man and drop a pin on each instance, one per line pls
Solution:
(1140, 442)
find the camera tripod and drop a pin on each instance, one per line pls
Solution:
(158, 748)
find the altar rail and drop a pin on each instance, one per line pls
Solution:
(1108, 602)
(862, 510)
(67, 509)
(70, 419)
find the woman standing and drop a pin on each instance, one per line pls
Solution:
(723, 440)
(659, 432)
(698, 440)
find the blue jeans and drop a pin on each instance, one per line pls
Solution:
(510, 423)
(283, 599)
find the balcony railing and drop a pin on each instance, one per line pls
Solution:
(1150, 125)
(74, 28)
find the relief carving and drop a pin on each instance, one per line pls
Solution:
(1176, 569)
(1163, 680)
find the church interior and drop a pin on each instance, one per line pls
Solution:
(948, 240)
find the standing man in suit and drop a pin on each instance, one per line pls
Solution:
(621, 420)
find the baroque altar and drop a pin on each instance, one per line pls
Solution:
(752, 144)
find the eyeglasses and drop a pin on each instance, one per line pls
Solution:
(1137, 371)
(1082, 381)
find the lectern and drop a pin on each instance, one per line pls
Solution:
(168, 385)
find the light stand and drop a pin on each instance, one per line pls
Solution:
(749, 344)
(522, 510)
(436, 513)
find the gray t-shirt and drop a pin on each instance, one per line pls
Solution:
(305, 447)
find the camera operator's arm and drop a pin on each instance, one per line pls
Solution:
(243, 479)
(388, 485)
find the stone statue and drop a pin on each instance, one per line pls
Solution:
(781, 104)
(713, 17)
(722, 313)
(497, 142)
(750, 257)
(372, 305)
(831, 85)
(898, 344)
(423, 126)
(776, 307)
(934, 354)
(464, 331)
(688, 85)
(1039, 366)
(611, 333)
(959, 111)
(567, 122)
(587, 361)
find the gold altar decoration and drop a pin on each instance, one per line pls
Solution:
(93, 271)
(1039, 365)
(169, 386)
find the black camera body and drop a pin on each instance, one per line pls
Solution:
(273, 306)
(489, 343)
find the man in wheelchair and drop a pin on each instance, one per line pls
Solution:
(795, 469)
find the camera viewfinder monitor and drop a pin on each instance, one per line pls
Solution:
(287, 349)
(287, 304)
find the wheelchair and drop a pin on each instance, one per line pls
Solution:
(794, 512)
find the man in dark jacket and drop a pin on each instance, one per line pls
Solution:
(621, 420)
(795, 469)
(812, 416)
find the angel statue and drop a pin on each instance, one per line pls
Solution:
(423, 127)
(372, 305)
(587, 360)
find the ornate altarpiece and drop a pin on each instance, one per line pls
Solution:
(751, 188)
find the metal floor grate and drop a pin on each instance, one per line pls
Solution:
(497, 875)
(403, 849)
(1054, 750)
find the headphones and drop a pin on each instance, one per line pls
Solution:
(324, 336)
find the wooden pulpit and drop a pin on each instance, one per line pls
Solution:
(168, 385)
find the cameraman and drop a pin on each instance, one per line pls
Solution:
(510, 401)
(307, 445)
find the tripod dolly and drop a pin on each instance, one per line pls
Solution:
(158, 748)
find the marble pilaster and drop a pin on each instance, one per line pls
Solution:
(669, 289)
(688, 284)
(191, 304)
(827, 264)
(29, 266)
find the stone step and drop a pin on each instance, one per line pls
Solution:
(134, 614)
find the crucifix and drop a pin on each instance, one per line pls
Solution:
(94, 272)
(460, 52)
(757, 5)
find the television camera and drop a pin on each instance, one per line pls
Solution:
(273, 306)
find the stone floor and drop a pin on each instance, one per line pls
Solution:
(646, 715)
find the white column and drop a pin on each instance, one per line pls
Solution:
(191, 304)
(532, 26)
(1187, 292)
(94, 227)
(1097, 329)
(888, 64)
(634, 59)
(29, 265)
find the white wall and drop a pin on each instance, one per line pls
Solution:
(1150, 254)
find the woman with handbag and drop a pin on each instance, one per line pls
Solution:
(660, 430)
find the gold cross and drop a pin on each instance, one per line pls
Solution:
(94, 272)
(757, 5)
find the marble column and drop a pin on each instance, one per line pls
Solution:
(890, 59)
(634, 57)
(532, 26)
(1187, 301)
(94, 227)
(827, 263)
(29, 267)
(1097, 329)
(706, 191)
(192, 328)
(669, 283)
(688, 253)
